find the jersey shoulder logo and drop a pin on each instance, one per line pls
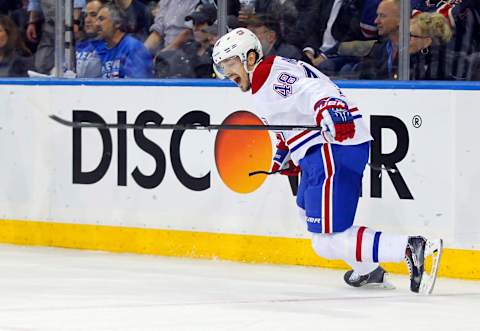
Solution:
(292, 61)
(308, 71)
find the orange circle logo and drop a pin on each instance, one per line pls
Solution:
(237, 153)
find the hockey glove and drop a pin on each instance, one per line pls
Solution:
(333, 116)
(282, 160)
(290, 169)
(281, 155)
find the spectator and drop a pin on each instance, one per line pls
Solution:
(351, 24)
(123, 56)
(41, 29)
(193, 58)
(283, 11)
(201, 48)
(465, 18)
(316, 27)
(382, 61)
(474, 68)
(187, 34)
(303, 24)
(204, 13)
(20, 17)
(267, 29)
(429, 33)
(344, 57)
(87, 50)
(168, 23)
(205, 32)
(206, 37)
(356, 21)
(139, 18)
(441, 56)
(12, 50)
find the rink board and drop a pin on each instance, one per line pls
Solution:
(456, 263)
(161, 192)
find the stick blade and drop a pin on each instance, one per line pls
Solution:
(433, 249)
(61, 120)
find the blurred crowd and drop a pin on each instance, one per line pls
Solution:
(346, 39)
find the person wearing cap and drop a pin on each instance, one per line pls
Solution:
(169, 22)
(267, 30)
(205, 37)
(204, 14)
(193, 58)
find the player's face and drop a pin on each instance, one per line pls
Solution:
(235, 71)
(91, 11)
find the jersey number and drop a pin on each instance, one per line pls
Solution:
(285, 87)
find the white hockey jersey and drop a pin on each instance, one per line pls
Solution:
(287, 92)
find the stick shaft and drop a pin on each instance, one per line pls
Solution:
(209, 127)
(200, 127)
(374, 167)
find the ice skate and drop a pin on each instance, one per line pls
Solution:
(418, 248)
(378, 278)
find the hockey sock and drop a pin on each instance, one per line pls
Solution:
(358, 245)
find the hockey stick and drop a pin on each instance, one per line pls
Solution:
(380, 168)
(200, 127)
(263, 172)
(209, 127)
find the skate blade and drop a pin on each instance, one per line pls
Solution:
(385, 285)
(434, 249)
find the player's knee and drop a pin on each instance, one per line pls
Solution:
(322, 245)
(301, 214)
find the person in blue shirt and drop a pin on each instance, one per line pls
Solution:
(121, 55)
(88, 64)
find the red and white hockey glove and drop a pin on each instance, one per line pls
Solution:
(281, 159)
(290, 169)
(333, 116)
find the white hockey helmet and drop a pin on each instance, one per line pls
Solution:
(238, 42)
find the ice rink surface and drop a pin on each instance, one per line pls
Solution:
(60, 289)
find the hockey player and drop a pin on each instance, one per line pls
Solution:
(332, 160)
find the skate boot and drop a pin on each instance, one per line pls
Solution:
(376, 278)
(418, 248)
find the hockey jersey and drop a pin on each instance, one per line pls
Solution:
(291, 92)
